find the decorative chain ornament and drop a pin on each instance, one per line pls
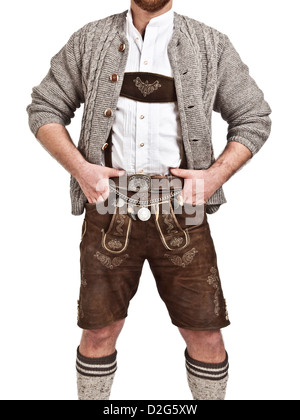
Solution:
(148, 203)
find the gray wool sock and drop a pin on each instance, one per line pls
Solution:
(95, 377)
(207, 381)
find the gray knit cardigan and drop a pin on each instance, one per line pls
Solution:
(209, 75)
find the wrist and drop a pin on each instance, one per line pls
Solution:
(80, 169)
(216, 176)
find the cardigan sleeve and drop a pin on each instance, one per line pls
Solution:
(60, 93)
(241, 102)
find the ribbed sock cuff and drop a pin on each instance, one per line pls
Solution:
(100, 367)
(210, 371)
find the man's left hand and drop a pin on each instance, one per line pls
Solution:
(199, 186)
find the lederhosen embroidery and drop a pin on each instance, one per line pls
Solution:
(80, 313)
(173, 237)
(149, 87)
(214, 281)
(184, 261)
(116, 239)
(145, 87)
(108, 262)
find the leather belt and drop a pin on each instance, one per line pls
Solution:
(146, 183)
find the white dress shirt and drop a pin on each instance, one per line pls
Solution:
(147, 136)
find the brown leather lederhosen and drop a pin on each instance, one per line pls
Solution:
(115, 246)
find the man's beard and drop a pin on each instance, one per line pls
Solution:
(151, 5)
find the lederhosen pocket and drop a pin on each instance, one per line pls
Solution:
(116, 239)
(173, 237)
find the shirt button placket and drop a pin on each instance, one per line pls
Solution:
(141, 137)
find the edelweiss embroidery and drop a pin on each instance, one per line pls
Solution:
(115, 245)
(214, 281)
(185, 260)
(145, 87)
(177, 242)
(108, 262)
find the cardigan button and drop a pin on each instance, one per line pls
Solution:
(122, 47)
(104, 147)
(114, 78)
(108, 113)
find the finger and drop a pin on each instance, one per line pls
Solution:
(92, 200)
(183, 197)
(105, 194)
(180, 200)
(100, 199)
(113, 173)
(181, 173)
(102, 185)
(186, 194)
(200, 202)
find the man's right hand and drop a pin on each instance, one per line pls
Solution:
(94, 181)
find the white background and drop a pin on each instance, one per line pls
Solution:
(256, 234)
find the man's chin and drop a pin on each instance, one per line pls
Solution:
(151, 5)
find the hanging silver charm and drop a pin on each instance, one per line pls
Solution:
(131, 213)
(144, 214)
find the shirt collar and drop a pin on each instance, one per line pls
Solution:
(161, 21)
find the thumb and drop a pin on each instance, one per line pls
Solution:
(181, 173)
(114, 173)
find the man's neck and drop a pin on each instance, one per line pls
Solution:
(141, 17)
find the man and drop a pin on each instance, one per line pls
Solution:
(149, 79)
